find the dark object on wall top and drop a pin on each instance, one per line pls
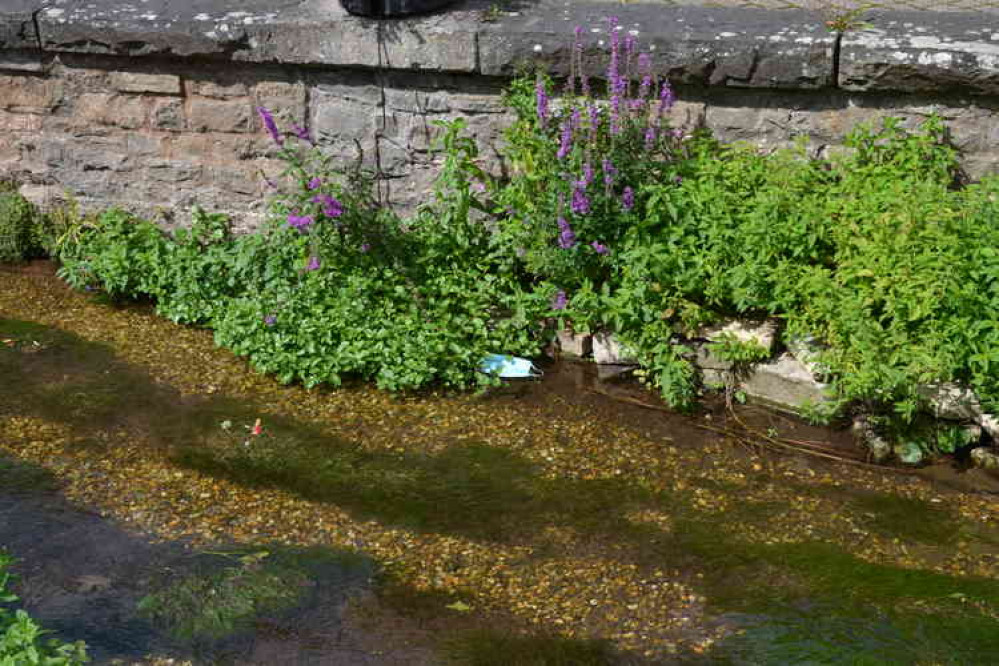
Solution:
(392, 8)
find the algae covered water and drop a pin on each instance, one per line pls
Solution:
(166, 502)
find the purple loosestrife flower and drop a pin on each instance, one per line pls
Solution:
(580, 204)
(315, 183)
(365, 247)
(566, 236)
(303, 134)
(313, 264)
(565, 145)
(650, 138)
(270, 320)
(542, 101)
(559, 301)
(600, 247)
(645, 69)
(610, 171)
(331, 207)
(594, 111)
(587, 175)
(628, 198)
(270, 125)
(666, 98)
(300, 222)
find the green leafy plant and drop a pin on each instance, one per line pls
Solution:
(22, 640)
(20, 227)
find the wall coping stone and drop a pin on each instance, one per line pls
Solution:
(698, 45)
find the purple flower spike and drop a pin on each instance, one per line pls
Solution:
(600, 248)
(587, 175)
(303, 134)
(542, 101)
(315, 183)
(331, 206)
(666, 98)
(300, 222)
(270, 320)
(628, 198)
(313, 264)
(566, 236)
(559, 301)
(270, 125)
(365, 247)
(565, 145)
(650, 138)
(610, 171)
(580, 204)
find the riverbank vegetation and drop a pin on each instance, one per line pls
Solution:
(881, 254)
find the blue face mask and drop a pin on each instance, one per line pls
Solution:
(509, 367)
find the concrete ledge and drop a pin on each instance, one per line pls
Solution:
(922, 51)
(706, 46)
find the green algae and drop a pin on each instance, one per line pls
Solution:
(231, 588)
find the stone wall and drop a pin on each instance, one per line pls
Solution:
(132, 105)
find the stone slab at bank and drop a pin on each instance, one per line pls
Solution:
(149, 104)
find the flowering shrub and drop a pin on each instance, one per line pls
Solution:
(581, 162)
(334, 286)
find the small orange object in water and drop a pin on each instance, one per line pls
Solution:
(257, 427)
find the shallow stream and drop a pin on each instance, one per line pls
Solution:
(569, 520)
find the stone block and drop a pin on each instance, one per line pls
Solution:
(136, 82)
(30, 93)
(574, 344)
(20, 122)
(784, 383)
(985, 458)
(951, 401)
(923, 52)
(167, 114)
(213, 115)
(762, 333)
(286, 100)
(218, 88)
(22, 61)
(125, 111)
(608, 350)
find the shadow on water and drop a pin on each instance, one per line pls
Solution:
(794, 602)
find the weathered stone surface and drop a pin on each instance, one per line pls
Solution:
(990, 424)
(762, 333)
(137, 82)
(696, 45)
(608, 350)
(125, 111)
(17, 30)
(985, 458)
(951, 401)
(167, 114)
(26, 92)
(784, 383)
(921, 51)
(285, 100)
(808, 351)
(23, 61)
(212, 115)
(574, 344)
